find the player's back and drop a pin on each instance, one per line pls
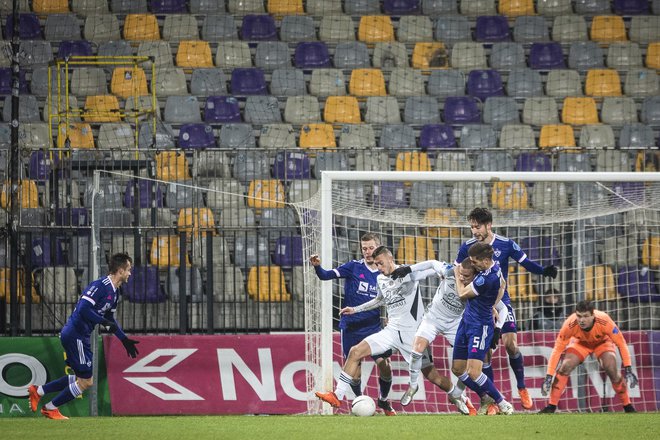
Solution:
(101, 295)
(486, 283)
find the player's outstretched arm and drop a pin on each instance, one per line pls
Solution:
(321, 273)
(369, 305)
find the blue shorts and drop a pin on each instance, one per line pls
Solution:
(510, 323)
(350, 338)
(473, 341)
(78, 352)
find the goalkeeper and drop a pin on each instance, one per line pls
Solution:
(585, 332)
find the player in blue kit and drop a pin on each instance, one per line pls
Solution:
(360, 287)
(476, 329)
(97, 305)
(481, 222)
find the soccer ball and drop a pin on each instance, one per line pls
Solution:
(363, 406)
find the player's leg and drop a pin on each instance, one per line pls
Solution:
(384, 374)
(348, 340)
(35, 393)
(516, 360)
(574, 356)
(607, 360)
(421, 342)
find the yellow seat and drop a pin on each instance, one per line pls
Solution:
(653, 56)
(5, 292)
(412, 161)
(651, 251)
(647, 161)
(317, 136)
(599, 283)
(375, 29)
(367, 82)
(165, 251)
(194, 54)
(519, 285)
(50, 6)
(141, 27)
(128, 81)
(79, 133)
(442, 216)
(265, 194)
(509, 195)
(171, 165)
(342, 110)
(579, 111)
(430, 55)
(196, 221)
(556, 136)
(414, 249)
(602, 82)
(607, 28)
(102, 108)
(28, 195)
(285, 7)
(515, 8)
(266, 283)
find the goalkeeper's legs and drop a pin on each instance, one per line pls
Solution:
(608, 362)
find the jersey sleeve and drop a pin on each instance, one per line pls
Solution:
(342, 271)
(563, 338)
(462, 254)
(521, 257)
(93, 294)
(345, 270)
(617, 337)
(483, 285)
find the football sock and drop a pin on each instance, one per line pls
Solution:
(56, 385)
(460, 385)
(518, 366)
(67, 394)
(486, 384)
(356, 386)
(472, 384)
(621, 390)
(455, 391)
(343, 385)
(415, 367)
(558, 386)
(385, 383)
(487, 369)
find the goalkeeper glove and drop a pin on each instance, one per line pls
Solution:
(111, 326)
(550, 271)
(630, 377)
(547, 385)
(400, 272)
(496, 338)
(130, 346)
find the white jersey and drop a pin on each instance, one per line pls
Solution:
(446, 306)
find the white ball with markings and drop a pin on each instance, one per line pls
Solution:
(363, 406)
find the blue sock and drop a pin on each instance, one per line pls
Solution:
(58, 384)
(467, 380)
(385, 383)
(356, 386)
(488, 386)
(488, 371)
(67, 394)
(518, 366)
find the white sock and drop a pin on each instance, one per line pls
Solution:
(343, 385)
(40, 390)
(415, 367)
(49, 406)
(455, 392)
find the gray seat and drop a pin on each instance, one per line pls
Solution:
(390, 54)
(618, 110)
(421, 110)
(584, 55)
(507, 55)
(219, 28)
(530, 29)
(494, 161)
(251, 164)
(180, 27)
(406, 82)
(182, 109)
(644, 29)
(206, 6)
(597, 136)
(480, 136)
(436, 8)
(624, 55)
(573, 162)
(468, 55)
(89, 81)
(39, 81)
(553, 8)
(327, 82)
(208, 82)
(245, 6)
(523, 83)
(88, 7)
(641, 82)
(357, 136)
(569, 28)
(163, 139)
(34, 53)
(414, 28)
(351, 55)
(62, 27)
(159, 51)
(397, 137)
(444, 83)
(590, 7)
(475, 8)
(251, 250)
(262, 110)
(636, 136)
(382, 110)
(121, 48)
(302, 110)
(28, 109)
(192, 287)
(425, 195)
(102, 27)
(287, 82)
(562, 83)
(182, 195)
(297, 28)
(277, 137)
(237, 136)
(128, 6)
(321, 8)
(651, 110)
(278, 218)
(272, 55)
(613, 161)
(362, 7)
(452, 28)
(540, 111)
(330, 161)
(501, 110)
(110, 196)
(337, 28)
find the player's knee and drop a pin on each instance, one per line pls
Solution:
(84, 384)
(565, 369)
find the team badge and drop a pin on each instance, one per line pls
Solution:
(479, 281)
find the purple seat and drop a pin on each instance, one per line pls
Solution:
(291, 165)
(222, 109)
(533, 162)
(389, 195)
(47, 251)
(627, 193)
(40, 165)
(637, 285)
(401, 7)
(491, 28)
(248, 81)
(196, 136)
(462, 110)
(631, 7)
(148, 197)
(288, 251)
(258, 28)
(543, 56)
(484, 83)
(78, 48)
(436, 136)
(168, 6)
(541, 249)
(72, 217)
(312, 55)
(30, 28)
(143, 286)
(5, 81)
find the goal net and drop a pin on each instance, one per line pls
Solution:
(601, 229)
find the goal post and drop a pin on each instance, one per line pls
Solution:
(586, 218)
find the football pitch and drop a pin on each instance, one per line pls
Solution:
(608, 426)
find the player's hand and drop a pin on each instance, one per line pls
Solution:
(497, 333)
(347, 311)
(314, 260)
(631, 378)
(550, 271)
(130, 346)
(547, 385)
(400, 272)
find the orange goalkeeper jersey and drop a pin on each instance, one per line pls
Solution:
(603, 330)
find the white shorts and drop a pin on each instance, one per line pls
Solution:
(389, 339)
(431, 327)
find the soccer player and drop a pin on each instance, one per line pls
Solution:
(585, 332)
(97, 305)
(360, 287)
(475, 331)
(481, 223)
(404, 312)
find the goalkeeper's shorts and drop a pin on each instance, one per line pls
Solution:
(582, 351)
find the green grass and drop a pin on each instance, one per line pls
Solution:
(522, 426)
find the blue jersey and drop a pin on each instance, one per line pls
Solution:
(486, 285)
(504, 248)
(96, 305)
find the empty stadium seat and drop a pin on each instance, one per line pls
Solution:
(624, 55)
(636, 136)
(390, 54)
(514, 8)
(401, 7)
(178, 27)
(101, 28)
(650, 113)
(266, 283)
(265, 194)
(517, 136)
(258, 28)
(375, 28)
(357, 136)
(245, 6)
(556, 136)
(291, 165)
(461, 110)
(342, 110)
(89, 7)
(434, 136)
(196, 221)
(322, 8)
(126, 81)
(34, 53)
(296, 28)
(397, 137)
(412, 161)
(208, 82)
(262, 110)
(145, 192)
(367, 82)
(196, 136)
(302, 110)
(591, 7)
(182, 109)
(158, 51)
(139, 27)
(78, 48)
(429, 55)
(382, 110)
(478, 136)
(523, 289)
(509, 195)
(618, 110)
(466, 195)
(317, 136)
(311, 55)
(584, 55)
(165, 251)
(28, 24)
(102, 108)
(540, 111)
(444, 83)
(421, 110)
(436, 8)
(612, 161)
(327, 82)
(62, 27)
(501, 110)
(545, 56)
(219, 27)
(653, 55)
(562, 83)
(194, 54)
(236, 136)
(529, 29)
(407, 82)
(75, 135)
(287, 82)
(248, 81)
(285, 7)
(602, 82)
(641, 82)
(467, 56)
(231, 54)
(452, 28)
(116, 136)
(608, 28)
(128, 6)
(579, 111)
(568, 28)
(28, 194)
(351, 55)
(329, 161)
(533, 162)
(492, 28)
(336, 28)
(412, 249)
(506, 55)
(388, 195)
(599, 283)
(573, 162)
(484, 83)
(171, 165)
(415, 28)
(645, 29)
(597, 137)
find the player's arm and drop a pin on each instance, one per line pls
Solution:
(617, 337)
(462, 255)
(321, 273)
(502, 313)
(128, 343)
(563, 338)
(532, 266)
(118, 332)
(369, 305)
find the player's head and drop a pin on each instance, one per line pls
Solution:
(368, 244)
(120, 267)
(466, 271)
(384, 260)
(584, 310)
(481, 224)
(481, 255)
